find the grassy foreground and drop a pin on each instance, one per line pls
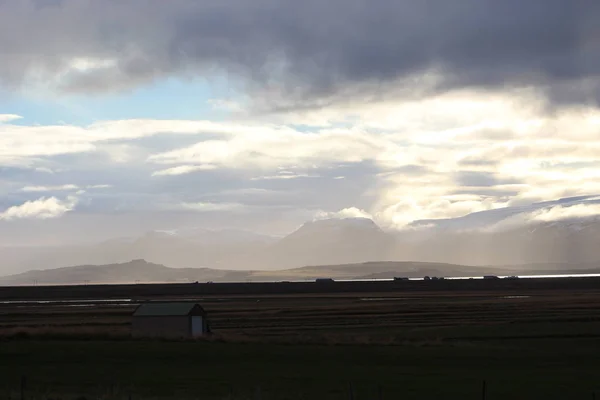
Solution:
(513, 369)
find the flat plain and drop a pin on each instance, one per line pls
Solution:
(527, 339)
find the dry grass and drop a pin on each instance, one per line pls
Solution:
(385, 318)
(327, 339)
(58, 332)
(216, 371)
(444, 342)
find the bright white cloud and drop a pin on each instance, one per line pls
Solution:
(350, 212)
(183, 169)
(283, 176)
(271, 149)
(49, 188)
(9, 117)
(549, 214)
(98, 186)
(42, 208)
(90, 64)
(559, 213)
(424, 159)
(44, 170)
(28, 142)
(58, 188)
(211, 207)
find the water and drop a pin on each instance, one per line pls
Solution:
(70, 303)
(478, 277)
(388, 298)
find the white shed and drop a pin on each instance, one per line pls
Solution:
(169, 320)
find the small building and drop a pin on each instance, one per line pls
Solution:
(169, 320)
(490, 277)
(324, 280)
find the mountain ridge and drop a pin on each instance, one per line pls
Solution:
(141, 271)
(542, 232)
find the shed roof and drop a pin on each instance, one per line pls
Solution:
(168, 309)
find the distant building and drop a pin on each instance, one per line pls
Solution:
(169, 320)
(490, 277)
(324, 280)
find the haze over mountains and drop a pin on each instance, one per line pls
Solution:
(564, 233)
(140, 271)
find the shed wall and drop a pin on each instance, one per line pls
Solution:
(198, 326)
(164, 327)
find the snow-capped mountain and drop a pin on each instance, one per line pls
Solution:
(337, 226)
(514, 217)
(565, 232)
(332, 241)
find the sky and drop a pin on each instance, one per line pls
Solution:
(122, 116)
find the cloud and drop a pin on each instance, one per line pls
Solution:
(401, 160)
(400, 215)
(118, 138)
(426, 109)
(183, 169)
(98, 186)
(49, 188)
(481, 179)
(9, 117)
(211, 207)
(288, 175)
(44, 170)
(559, 213)
(313, 53)
(42, 208)
(59, 188)
(473, 178)
(271, 149)
(350, 212)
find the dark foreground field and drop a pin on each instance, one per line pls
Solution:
(551, 369)
(526, 340)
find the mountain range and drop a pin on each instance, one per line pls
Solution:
(563, 232)
(141, 271)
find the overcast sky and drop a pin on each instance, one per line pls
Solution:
(122, 116)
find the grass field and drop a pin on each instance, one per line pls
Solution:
(531, 343)
(552, 369)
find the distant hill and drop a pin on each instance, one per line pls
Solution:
(130, 272)
(564, 232)
(140, 271)
(146, 272)
(178, 249)
(330, 241)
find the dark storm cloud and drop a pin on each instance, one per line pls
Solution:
(310, 49)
